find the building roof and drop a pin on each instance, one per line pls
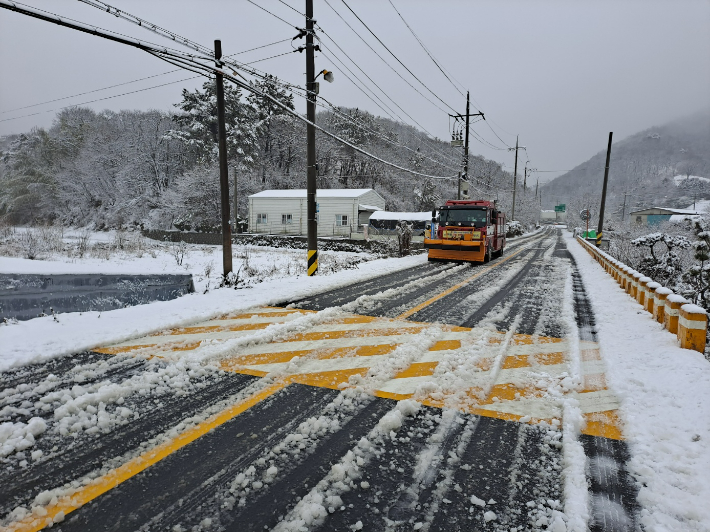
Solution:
(669, 210)
(411, 216)
(320, 193)
(372, 208)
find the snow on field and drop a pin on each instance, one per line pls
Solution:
(665, 404)
(284, 269)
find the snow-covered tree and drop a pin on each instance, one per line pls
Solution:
(199, 128)
(664, 267)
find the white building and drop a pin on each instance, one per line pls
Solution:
(339, 211)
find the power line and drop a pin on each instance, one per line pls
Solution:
(397, 58)
(274, 15)
(89, 92)
(271, 57)
(293, 8)
(141, 79)
(372, 81)
(381, 58)
(207, 69)
(336, 110)
(102, 99)
(258, 47)
(426, 49)
(177, 38)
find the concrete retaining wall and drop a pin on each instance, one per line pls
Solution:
(688, 322)
(25, 296)
(278, 241)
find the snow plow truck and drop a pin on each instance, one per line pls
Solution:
(466, 231)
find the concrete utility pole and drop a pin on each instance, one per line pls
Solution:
(623, 207)
(515, 177)
(311, 143)
(223, 169)
(606, 179)
(465, 146)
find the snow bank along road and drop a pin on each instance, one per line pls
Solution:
(442, 397)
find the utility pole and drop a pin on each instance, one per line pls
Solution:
(468, 115)
(623, 207)
(223, 169)
(536, 185)
(515, 176)
(525, 177)
(606, 179)
(236, 226)
(311, 143)
(465, 146)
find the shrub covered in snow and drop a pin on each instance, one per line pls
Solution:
(514, 228)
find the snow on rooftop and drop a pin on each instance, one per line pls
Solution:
(412, 216)
(701, 206)
(680, 178)
(320, 193)
(368, 208)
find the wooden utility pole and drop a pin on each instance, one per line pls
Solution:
(223, 169)
(515, 178)
(606, 179)
(311, 143)
(236, 216)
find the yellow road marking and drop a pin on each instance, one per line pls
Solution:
(605, 424)
(358, 333)
(217, 328)
(134, 466)
(523, 361)
(463, 283)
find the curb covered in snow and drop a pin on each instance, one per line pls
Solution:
(688, 322)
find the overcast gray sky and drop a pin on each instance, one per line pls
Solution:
(561, 74)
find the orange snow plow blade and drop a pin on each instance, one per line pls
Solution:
(462, 250)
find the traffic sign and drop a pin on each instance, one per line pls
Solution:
(585, 215)
(560, 208)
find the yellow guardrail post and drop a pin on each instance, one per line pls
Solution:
(651, 296)
(672, 313)
(660, 304)
(641, 293)
(692, 327)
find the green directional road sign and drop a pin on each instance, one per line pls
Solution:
(560, 208)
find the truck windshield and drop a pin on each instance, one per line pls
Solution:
(475, 217)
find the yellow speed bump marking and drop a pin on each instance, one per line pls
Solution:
(134, 466)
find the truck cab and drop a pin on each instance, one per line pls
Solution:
(466, 231)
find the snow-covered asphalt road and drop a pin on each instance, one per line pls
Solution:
(440, 397)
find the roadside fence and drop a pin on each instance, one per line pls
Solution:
(687, 321)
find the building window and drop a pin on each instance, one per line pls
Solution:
(261, 219)
(341, 219)
(638, 219)
(286, 219)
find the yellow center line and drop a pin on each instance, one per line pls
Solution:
(420, 306)
(134, 466)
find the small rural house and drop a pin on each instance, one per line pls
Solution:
(655, 215)
(340, 211)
